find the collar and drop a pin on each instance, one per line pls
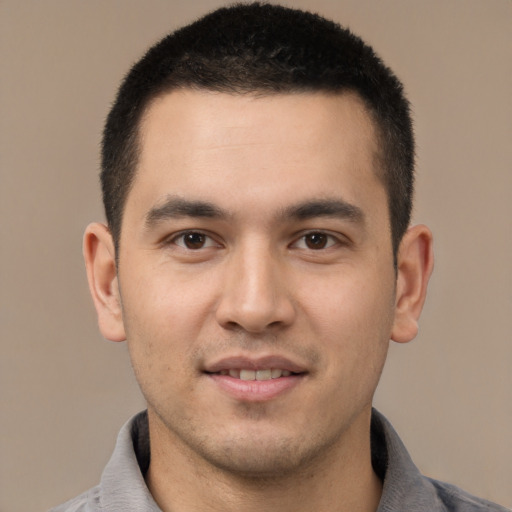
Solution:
(123, 487)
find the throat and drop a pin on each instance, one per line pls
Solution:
(185, 485)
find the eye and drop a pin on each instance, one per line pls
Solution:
(194, 240)
(316, 240)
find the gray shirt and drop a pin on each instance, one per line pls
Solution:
(122, 486)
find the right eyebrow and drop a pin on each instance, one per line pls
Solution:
(176, 207)
(334, 207)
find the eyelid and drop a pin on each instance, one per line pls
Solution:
(335, 239)
(173, 239)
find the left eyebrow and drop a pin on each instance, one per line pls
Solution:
(176, 207)
(325, 208)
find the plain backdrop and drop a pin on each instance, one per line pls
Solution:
(65, 392)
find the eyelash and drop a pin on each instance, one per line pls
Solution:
(181, 236)
(207, 241)
(330, 240)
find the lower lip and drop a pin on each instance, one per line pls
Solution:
(255, 390)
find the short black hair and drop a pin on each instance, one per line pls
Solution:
(264, 49)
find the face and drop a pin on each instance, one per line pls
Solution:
(256, 276)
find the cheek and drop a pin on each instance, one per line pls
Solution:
(353, 318)
(347, 303)
(163, 319)
(162, 300)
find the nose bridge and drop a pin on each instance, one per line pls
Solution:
(254, 296)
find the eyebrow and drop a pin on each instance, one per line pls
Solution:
(325, 208)
(176, 207)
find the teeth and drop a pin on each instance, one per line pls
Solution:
(263, 374)
(247, 375)
(267, 374)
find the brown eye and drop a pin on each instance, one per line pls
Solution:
(194, 240)
(316, 240)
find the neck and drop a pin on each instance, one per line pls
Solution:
(341, 480)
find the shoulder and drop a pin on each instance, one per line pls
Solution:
(456, 500)
(405, 488)
(85, 502)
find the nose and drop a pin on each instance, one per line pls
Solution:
(255, 294)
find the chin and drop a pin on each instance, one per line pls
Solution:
(257, 463)
(257, 456)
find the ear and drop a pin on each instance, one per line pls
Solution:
(100, 262)
(414, 266)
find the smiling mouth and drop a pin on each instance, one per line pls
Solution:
(247, 374)
(249, 380)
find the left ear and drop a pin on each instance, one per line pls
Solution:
(414, 266)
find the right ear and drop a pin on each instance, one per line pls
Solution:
(100, 262)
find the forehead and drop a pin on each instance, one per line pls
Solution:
(189, 115)
(259, 149)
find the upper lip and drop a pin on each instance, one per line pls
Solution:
(254, 363)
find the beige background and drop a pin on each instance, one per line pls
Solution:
(64, 392)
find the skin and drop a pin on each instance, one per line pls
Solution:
(257, 227)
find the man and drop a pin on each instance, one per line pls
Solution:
(257, 178)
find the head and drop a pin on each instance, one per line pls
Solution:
(257, 178)
(262, 49)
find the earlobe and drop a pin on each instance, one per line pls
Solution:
(100, 262)
(414, 267)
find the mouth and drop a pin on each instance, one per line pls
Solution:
(255, 380)
(247, 374)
